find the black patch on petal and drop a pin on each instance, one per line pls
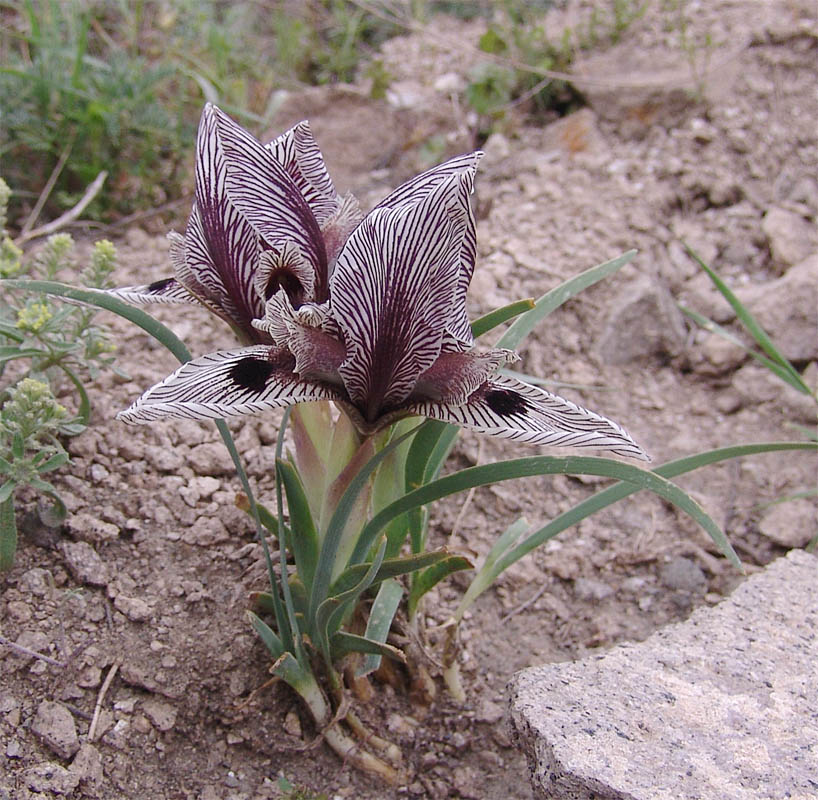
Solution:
(252, 373)
(286, 280)
(506, 402)
(159, 286)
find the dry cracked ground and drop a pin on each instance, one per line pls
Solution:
(148, 581)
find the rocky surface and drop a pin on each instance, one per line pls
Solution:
(722, 705)
(150, 578)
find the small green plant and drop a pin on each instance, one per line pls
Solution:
(290, 791)
(43, 345)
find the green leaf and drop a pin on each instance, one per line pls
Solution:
(9, 353)
(750, 323)
(338, 521)
(6, 490)
(8, 534)
(390, 568)
(331, 612)
(380, 621)
(271, 640)
(84, 411)
(18, 448)
(787, 374)
(303, 539)
(547, 465)
(553, 299)
(52, 514)
(607, 497)
(344, 642)
(431, 576)
(56, 461)
(497, 317)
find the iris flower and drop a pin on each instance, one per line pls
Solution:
(369, 313)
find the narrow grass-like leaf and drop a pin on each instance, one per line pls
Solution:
(379, 623)
(787, 374)
(101, 300)
(344, 642)
(331, 612)
(267, 635)
(607, 497)
(303, 539)
(390, 568)
(431, 576)
(749, 321)
(553, 299)
(84, 411)
(549, 465)
(8, 533)
(493, 319)
(337, 524)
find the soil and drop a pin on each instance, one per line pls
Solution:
(148, 582)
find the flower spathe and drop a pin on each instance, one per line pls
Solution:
(373, 319)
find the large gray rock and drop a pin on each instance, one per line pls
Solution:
(722, 705)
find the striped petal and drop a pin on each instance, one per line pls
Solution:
(168, 290)
(227, 383)
(391, 295)
(217, 259)
(270, 200)
(297, 151)
(511, 409)
(464, 167)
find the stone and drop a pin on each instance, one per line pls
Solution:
(88, 528)
(55, 727)
(52, 778)
(87, 766)
(718, 356)
(592, 590)
(163, 458)
(791, 523)
(791, 238)
(683, 575)
(721, 705)
(84, 563)
(787, 309)
(644, 323)
(36, 581)
(206, 531)
(134, 608)
(210, 458)
(161, 714)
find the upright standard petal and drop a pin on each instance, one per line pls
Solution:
(511, 409)
(391, 295)
(263, 191)
(420, 186)
(297, 151)
(228, 383)
(217, 258)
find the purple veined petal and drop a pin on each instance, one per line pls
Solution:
(336, 229)
(168, 290)
(511, 409)
(285, 267)
(391, 295)
(217, 260)
(227, 383)
(455, 376)
(465, 167)
(269, 199)
(297, 151)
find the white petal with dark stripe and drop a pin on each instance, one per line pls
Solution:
(260, 188)
(512, 409)
(416, 188)
(227, 383)
(392, 292)
(297, 151)
(168, 290)
(220, 251)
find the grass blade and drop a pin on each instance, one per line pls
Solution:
(553, 299)
(380, 621)
(497, 317)
(8, 533)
